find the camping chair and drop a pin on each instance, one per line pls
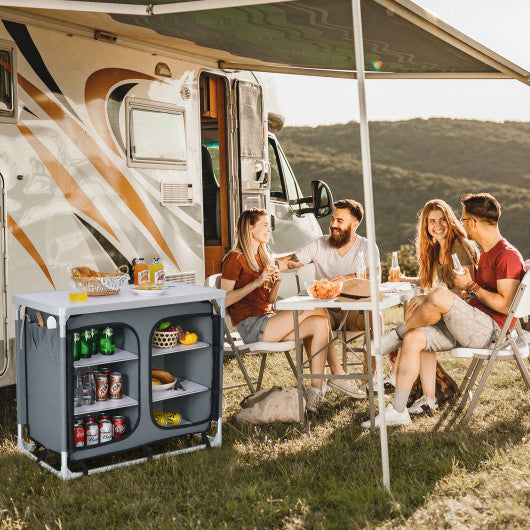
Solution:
(306, 274)
(233, 345)
(509, 346)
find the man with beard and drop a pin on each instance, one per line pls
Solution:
(337, 256)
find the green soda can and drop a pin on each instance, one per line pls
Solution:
(86, 344)
(106, 342)
(76, 346)
(95, 340)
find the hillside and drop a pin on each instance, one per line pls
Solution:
(417, 160)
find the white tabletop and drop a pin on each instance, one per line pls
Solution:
(302, 302)
(57, 302)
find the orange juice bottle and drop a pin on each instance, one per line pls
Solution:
(156, 272)
(394, 274)
(141, 272)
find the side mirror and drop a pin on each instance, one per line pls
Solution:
(322, 198)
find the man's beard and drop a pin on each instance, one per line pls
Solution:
(338, 238)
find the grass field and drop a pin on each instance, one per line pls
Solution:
(282, 476)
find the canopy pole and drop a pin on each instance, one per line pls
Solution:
(370, 231)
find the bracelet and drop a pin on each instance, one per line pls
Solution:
(471, 286)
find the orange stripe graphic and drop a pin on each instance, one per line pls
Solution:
(23, 239)
(96, 89)
(99, 160)
(66, 183)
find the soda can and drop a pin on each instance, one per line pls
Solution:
(102, 387)
(116, 385)
(106, 342)
(105, 370)
(105, 431)
(79, 434)
(95, 340)
(118, 422)
(76, 347)
(86, 344)
(88, 419)
(103, 416)
(91, 433)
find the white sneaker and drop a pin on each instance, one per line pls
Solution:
(390, 341)
(392, 417)
(389, 382)
(423, 404)
(313, 397)
(348, 387)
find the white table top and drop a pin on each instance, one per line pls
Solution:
(302, 302)
(57, 303)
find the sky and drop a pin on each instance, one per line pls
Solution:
(501, 25)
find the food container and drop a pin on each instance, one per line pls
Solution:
(165, 339)
(100, 283)
(323, 289)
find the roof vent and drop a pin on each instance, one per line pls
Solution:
(171, 193)
(105, 36)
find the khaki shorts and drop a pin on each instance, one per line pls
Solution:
(352, 321)
(463, 325)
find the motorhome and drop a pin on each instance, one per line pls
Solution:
(115, 148)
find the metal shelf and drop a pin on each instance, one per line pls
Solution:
(118, 356)
(110, 404)
(189, 388)
(178, 348)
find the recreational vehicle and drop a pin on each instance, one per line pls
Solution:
(113, 148)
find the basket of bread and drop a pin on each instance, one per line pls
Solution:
(100, 283)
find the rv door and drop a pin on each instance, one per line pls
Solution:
(4, 343)
(251, 133)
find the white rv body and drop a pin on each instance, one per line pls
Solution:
(75, 192)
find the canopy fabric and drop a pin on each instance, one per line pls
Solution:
(399, 37)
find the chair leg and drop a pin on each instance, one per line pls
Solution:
(261, 370)
(468, 391)
(465, 382)
(291, 362)
(479, 390)
(244, 372)
(522, 368)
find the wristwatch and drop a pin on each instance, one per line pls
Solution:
(472, 290)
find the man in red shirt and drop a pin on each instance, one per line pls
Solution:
(442, 319)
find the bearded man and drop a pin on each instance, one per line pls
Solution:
(337, 256)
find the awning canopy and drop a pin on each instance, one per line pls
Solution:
(400, 39)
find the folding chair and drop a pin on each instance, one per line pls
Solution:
(233, 345)
(509, 346)
(306, 274)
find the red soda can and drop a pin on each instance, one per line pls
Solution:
(116, 384)
(118, 423)
(102, 387)
(103, 416)
(91, 433)
(88, 419)
(105, 431)
(79, 434)
(106, 370)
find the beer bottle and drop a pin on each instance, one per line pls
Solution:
(457, 266)
(76, 347)
(86, 344)
(106, 342)
(394, 274)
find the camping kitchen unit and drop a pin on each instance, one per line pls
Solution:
(46, 373)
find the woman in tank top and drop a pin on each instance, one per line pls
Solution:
(251, 282)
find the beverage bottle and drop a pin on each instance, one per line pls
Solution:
(361, 269)
(78, 390)
(457, 266)
(76, 346)
(89, 389)
(394, 274)
(95, 340)
(141, 272)
(106, 342)
(156, 272)
(86, 344)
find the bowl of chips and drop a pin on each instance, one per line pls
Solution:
(323, 289)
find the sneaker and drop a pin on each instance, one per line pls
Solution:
(423, 404)
(313, 396)
(389, 382)
(390, 341)
(348, 387)
(392, 417)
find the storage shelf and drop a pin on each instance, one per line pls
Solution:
(110, 404)
(118, 356)
(189, 388)
(178, 348)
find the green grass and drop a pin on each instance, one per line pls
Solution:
(282, 476)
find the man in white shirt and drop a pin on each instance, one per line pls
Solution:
(337, 256)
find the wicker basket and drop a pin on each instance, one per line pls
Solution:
(165, 339)
(101, 283)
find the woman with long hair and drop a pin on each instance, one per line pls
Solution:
(251, 282)
(439, 235)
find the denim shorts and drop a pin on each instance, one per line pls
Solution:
(251, 329)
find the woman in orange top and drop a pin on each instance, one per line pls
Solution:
(252, 282)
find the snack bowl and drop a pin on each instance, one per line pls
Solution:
(323, 289)
(167, 386)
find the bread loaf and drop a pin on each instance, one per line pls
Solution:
(163, 376)
(155, 381)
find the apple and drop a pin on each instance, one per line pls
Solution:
(163, 326)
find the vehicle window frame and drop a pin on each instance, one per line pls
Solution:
(133, 104)
(285, 198)
(10, 115)
(283, 164)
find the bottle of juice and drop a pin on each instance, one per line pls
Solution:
(394, 274)
(156, 272)
(141, 272)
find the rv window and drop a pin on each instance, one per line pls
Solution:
(277, 188)
(157, 135)
(7, 103)
(293, 190)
